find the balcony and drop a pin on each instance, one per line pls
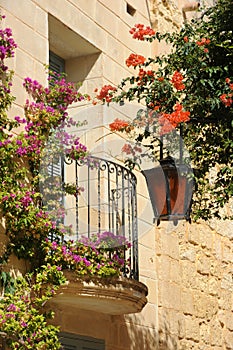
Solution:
(106, 203)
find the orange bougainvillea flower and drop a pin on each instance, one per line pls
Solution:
(120, 125)
(135, 60)
(226, 99)
(143, 76)
(203, 42)
(169, 122)
(177, 81)
(186, 39)
(140, 32)
(106, 93)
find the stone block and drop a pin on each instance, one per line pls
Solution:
(212, 307)
(205, 332)
(187, 253)
(214, 286)
(225, 301)
(217, 247)
(228, 340)
(203, 283)
(106, 19)
(169, 295)
(229, 320)
(215, 268)
(216, 334)
(188, 274)
(192, 329)
(203, 264)
(152, 286)
(163, 267)
(170, 245)
(206, 238)
(176, 323)
(187, 302)
(175, 271)
(200, 304)
(227, 281)
(187, 345)
(227, 253)
(194, 235)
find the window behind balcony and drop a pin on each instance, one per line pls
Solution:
(57, 65)
(76, 342)
(56, 167)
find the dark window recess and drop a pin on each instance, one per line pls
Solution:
(75, 342)
(56, 63)
(56, 167)
(130, 10)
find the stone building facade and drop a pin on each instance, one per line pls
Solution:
(187, 268)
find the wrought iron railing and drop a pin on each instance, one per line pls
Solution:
(107, 202)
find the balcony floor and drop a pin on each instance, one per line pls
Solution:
(111, 296)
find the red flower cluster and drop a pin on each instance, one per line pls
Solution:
(143, 75)
(120, 125)
(228, 81)
(177, 81)
(135, 60)
(105, 93)
(139, 31)
(169, 122)
(203, 42)
(128, 149)
(227, 99)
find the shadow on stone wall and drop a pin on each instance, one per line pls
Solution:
(137, 336)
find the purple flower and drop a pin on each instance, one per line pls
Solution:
(26, 200)
(54, 245)
(77, 258)
(11, 307)
(86, 262)
(21, 151)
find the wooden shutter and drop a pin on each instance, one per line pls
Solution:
(75, 342)
(56, 63)
(56, 168)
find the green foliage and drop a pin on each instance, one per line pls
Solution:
(7, 283)
(23, 322)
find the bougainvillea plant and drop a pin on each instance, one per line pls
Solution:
(102, 255)
(191, 86)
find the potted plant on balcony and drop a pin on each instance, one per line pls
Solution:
(191, 87)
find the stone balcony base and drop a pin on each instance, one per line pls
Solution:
(111, 296)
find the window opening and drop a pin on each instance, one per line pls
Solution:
(56, 167)
(130, 10)
(76, 342)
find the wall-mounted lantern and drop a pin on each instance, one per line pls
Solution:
(170, 186)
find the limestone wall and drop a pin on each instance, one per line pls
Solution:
(195, 284)
(188, 269)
